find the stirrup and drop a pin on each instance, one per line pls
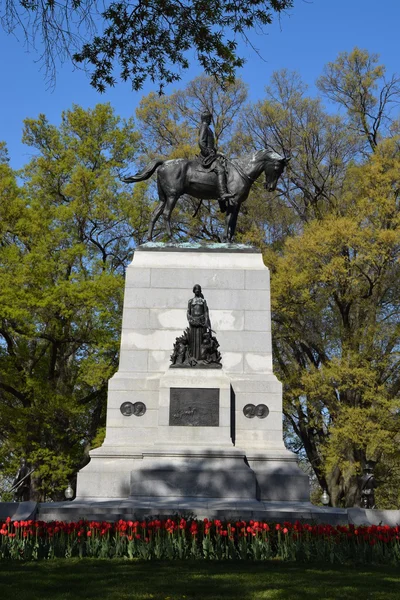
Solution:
(226, 196)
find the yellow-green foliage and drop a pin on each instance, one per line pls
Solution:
(335, 295)
(67, 233)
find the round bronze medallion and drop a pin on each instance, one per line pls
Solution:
(262, 411)
(249, 411)
(139, 408)
(127, 409)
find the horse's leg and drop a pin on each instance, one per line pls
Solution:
(154, 218)
(233, 222)
(227, 223)
(170, 205)
(158, 211)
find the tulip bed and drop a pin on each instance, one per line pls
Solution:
(179, 538)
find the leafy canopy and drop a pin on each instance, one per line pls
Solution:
(141, 38)
(66, 235)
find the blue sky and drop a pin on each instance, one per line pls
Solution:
(304, 40)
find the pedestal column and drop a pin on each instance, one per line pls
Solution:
(145, 442)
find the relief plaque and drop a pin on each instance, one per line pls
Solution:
(194, 407)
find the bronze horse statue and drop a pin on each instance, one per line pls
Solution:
(182, 176)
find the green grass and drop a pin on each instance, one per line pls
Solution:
(91, 579)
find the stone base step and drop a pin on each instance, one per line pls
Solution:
(212, 508)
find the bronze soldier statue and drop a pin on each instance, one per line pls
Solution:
(211, 159)
(22, 483)
(368, 485)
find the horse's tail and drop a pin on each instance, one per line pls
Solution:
(146, 173)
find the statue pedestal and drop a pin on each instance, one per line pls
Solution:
(192, 432)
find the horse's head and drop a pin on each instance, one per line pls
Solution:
(274, 168)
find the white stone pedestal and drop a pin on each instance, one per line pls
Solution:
(146, 456)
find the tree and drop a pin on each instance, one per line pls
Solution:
(292, 123)
(333, 268)
(144, 39)
(337, 335)
(357, 82)
(330, 237)
(67, 234)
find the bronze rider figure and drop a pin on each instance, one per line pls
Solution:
(211, 159)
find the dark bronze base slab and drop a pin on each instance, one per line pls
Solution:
(198, 366)
(197, 247)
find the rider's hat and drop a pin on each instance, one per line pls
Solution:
(205, 114)
(370, 465)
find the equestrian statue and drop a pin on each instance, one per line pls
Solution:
(210, 176)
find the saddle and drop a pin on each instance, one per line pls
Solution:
(202, 164)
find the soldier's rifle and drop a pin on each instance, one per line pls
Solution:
(18, 484)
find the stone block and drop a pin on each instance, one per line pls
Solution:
(232, 362)
(257, 362)
(272, 422)
(155, 298)
(121, 436)
(149, 339)
(137, 277)
(246, 341)
(116, 419)
(237, 299)
(140, 507)
(227, 320)
(279, 480)
(259, 383)
(258, 439)
(197, 260)
(201, 479)
(257, 279)
(257, 320)
(167, 319)
(159, 360)
(104, 479)
(163, 416)
(195, 436)
(133, 382)
(133, 360)
(195, 378)
(136, 318)
(185, 278)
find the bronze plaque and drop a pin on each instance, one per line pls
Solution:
(194, 407)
